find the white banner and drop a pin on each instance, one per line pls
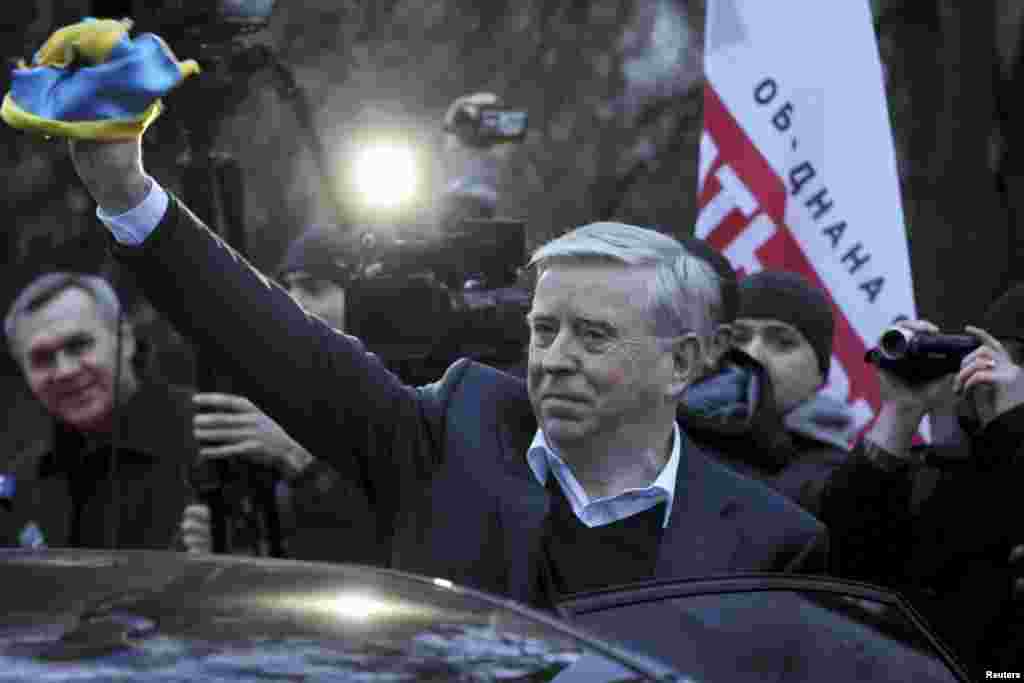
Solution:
(797, 168)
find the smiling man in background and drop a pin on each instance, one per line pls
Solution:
(62, 330)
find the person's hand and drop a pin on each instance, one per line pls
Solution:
(112, 172)
(990, 377)
(231, 426)
(1016, 561)
(196, 532)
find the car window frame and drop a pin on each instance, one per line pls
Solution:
(580, 604)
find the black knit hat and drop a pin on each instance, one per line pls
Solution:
(727, 276)
(323, 252)
(790, 298)
(1004, 319)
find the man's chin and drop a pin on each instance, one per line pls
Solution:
(559, 430)
(91, 418)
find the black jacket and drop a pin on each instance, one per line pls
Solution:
(64, 496)
(949, 553)
(732, 413)
(443, 465)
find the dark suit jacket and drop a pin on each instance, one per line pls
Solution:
(444, 464)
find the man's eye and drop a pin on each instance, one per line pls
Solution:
(595, 339)
(543, 333)
(41, 360)
(782, 342)
(77, 346)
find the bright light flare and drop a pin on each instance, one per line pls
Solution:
(386, 175)
(354, 606)
(345, 605)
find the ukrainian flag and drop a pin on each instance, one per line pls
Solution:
(91, 81)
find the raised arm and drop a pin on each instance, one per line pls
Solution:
(318, 384)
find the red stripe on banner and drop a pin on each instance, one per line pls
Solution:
(781, 251)
(735, 147)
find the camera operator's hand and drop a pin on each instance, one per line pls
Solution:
(196, 531)
(905, 405)
(231, 426)
(1016, 561)
(112, 172)
(990, 378)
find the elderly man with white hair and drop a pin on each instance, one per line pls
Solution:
(576, 479)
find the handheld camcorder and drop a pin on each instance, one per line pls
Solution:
(492, 126)
(918, 357)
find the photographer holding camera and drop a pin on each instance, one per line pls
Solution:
(942, 529)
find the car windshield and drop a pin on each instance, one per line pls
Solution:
(172, 617)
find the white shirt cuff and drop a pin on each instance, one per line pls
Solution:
(134, 225)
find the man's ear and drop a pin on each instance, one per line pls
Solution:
(721, 342)
(688, 363)
(127, 341)
(722, 339)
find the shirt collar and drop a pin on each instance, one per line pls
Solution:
(543, 458)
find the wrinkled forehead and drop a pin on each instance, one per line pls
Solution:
(608, 291)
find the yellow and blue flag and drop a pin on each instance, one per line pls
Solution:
(92, 81)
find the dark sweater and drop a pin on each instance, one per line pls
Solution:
(581, 558)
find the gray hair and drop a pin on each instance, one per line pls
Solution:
(45, 289)
(685, 293)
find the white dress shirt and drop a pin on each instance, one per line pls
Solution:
(544, 460)
(133, 226)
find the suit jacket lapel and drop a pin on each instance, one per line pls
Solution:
(702, 535)
(524, 503)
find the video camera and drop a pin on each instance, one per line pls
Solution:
(492, 125)
(420, 304)
(919, 357)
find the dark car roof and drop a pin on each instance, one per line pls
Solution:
(137, 614)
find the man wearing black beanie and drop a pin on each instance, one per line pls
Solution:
(761, 412)
(955, 548)
(317, 271)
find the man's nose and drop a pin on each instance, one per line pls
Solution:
(562, 355)
(65, 365)
(753, 348)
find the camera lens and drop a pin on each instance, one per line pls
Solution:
(895, 343)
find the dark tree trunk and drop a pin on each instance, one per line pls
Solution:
(942, 68)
